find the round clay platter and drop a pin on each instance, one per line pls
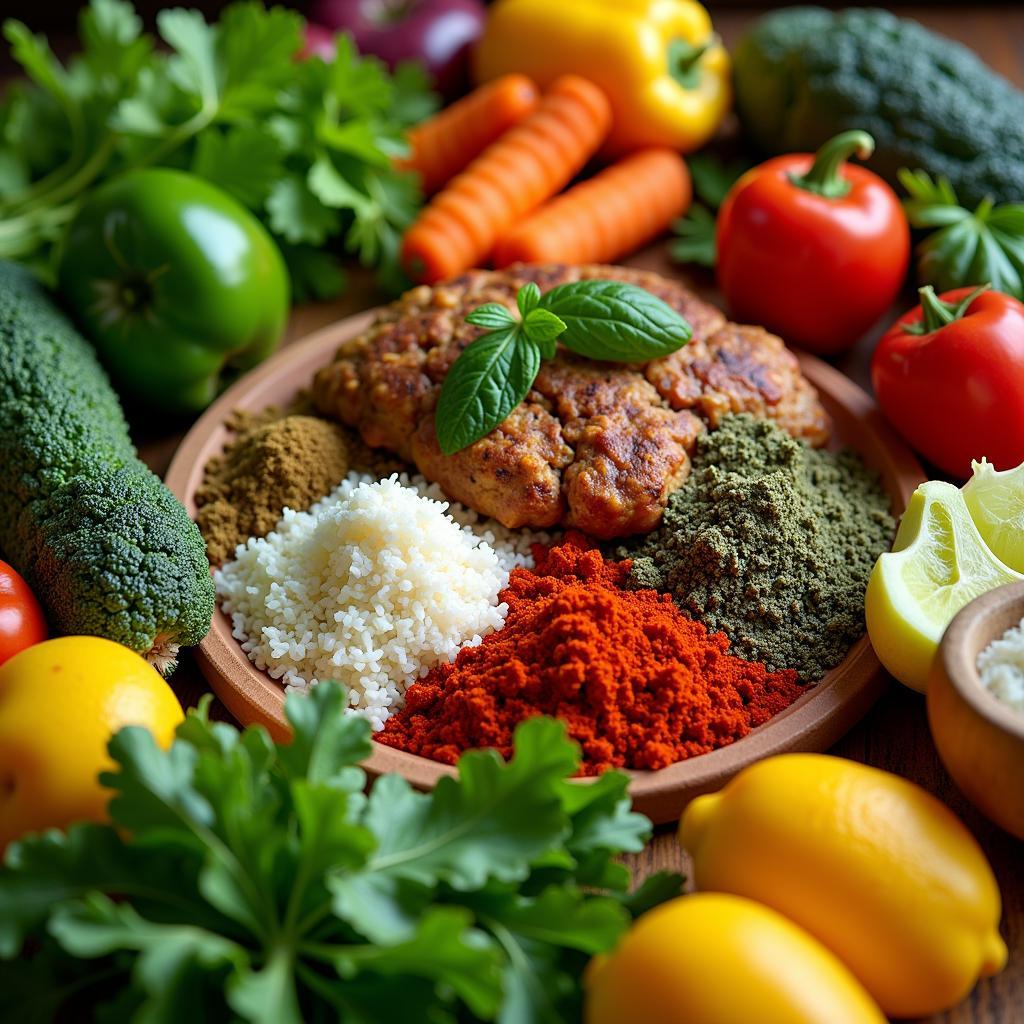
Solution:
(815, 722)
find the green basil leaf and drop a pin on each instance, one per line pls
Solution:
(542, 326)
(488, 380)
(527, 299)
(492, 316)
(617, 322)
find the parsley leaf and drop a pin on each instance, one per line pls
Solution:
(244, 161)
(255, 881)
(306, 145)
(712, 179)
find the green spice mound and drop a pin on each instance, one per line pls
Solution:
(771, 542)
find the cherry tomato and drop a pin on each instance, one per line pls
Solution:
(22, 622)
(812, 247)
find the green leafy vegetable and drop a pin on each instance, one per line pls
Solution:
(605, 320)
(696, 237)
(246, 880)
(966, 247)
(306, 145)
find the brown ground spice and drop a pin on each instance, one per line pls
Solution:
(269, 465)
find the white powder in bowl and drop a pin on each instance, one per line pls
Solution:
(373, 586)
(1001, 667)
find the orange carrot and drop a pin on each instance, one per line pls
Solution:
(513, 176)
(605, 218)
(444, 144)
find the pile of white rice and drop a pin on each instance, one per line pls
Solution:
(373, 586)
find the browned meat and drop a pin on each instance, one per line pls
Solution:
(513, 474)
(741, 369)
(595, 446)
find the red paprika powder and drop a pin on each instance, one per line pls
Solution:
(637, 683)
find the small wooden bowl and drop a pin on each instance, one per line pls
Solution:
(979, 738)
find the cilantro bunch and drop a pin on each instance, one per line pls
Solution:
(250, 881)
(306, 145)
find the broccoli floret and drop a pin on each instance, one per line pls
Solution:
(106, 547)
(804, 74)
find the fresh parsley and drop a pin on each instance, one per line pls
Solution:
(306, 145)
(965, 247)
(246, 880)
(600, 319)
(695, 232)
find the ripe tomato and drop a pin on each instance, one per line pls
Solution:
(22, 622)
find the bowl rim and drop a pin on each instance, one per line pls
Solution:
(973, 628)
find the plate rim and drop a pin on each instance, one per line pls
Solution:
(814, 721)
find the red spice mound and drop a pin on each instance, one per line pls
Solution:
(638, 684)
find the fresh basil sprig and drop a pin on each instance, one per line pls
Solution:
(606, 320)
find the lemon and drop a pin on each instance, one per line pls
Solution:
(875, 868)
(719, 959)
(996, 502)
(60, 702)
(938, 563)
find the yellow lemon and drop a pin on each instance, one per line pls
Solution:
(996, 503)
(938, 563)
(871, 865)
(717, 959)
(60, 702)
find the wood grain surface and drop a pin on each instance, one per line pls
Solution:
(894, 736)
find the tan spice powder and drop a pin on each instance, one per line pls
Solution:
(268, 466)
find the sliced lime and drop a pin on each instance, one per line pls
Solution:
(939, 563)
(996, 502)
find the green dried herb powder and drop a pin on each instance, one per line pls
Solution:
(771, 542)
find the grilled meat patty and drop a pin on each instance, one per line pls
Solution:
(597, 446)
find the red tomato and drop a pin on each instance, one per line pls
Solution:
(813, 248)
(22, 622)
(954, 388)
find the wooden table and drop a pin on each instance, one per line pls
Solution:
(894, 736)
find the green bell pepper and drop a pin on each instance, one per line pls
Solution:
(176, 284)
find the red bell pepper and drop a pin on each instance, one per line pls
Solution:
(812, 247)
(949, 375)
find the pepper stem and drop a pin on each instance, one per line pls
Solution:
(935, 313)
(823, 177)
(683, 58)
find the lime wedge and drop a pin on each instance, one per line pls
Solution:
(996, 502)
(938, 563)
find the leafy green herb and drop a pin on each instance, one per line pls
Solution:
(306, 145)
(966, 247)
(246, 880)
(696, 237)
(605, 320)
(712, 179)
(615, 322)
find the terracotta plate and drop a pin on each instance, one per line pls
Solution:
(813, 723)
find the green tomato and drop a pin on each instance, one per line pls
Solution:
(177, 285)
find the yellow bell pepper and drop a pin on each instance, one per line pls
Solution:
(659, 61)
